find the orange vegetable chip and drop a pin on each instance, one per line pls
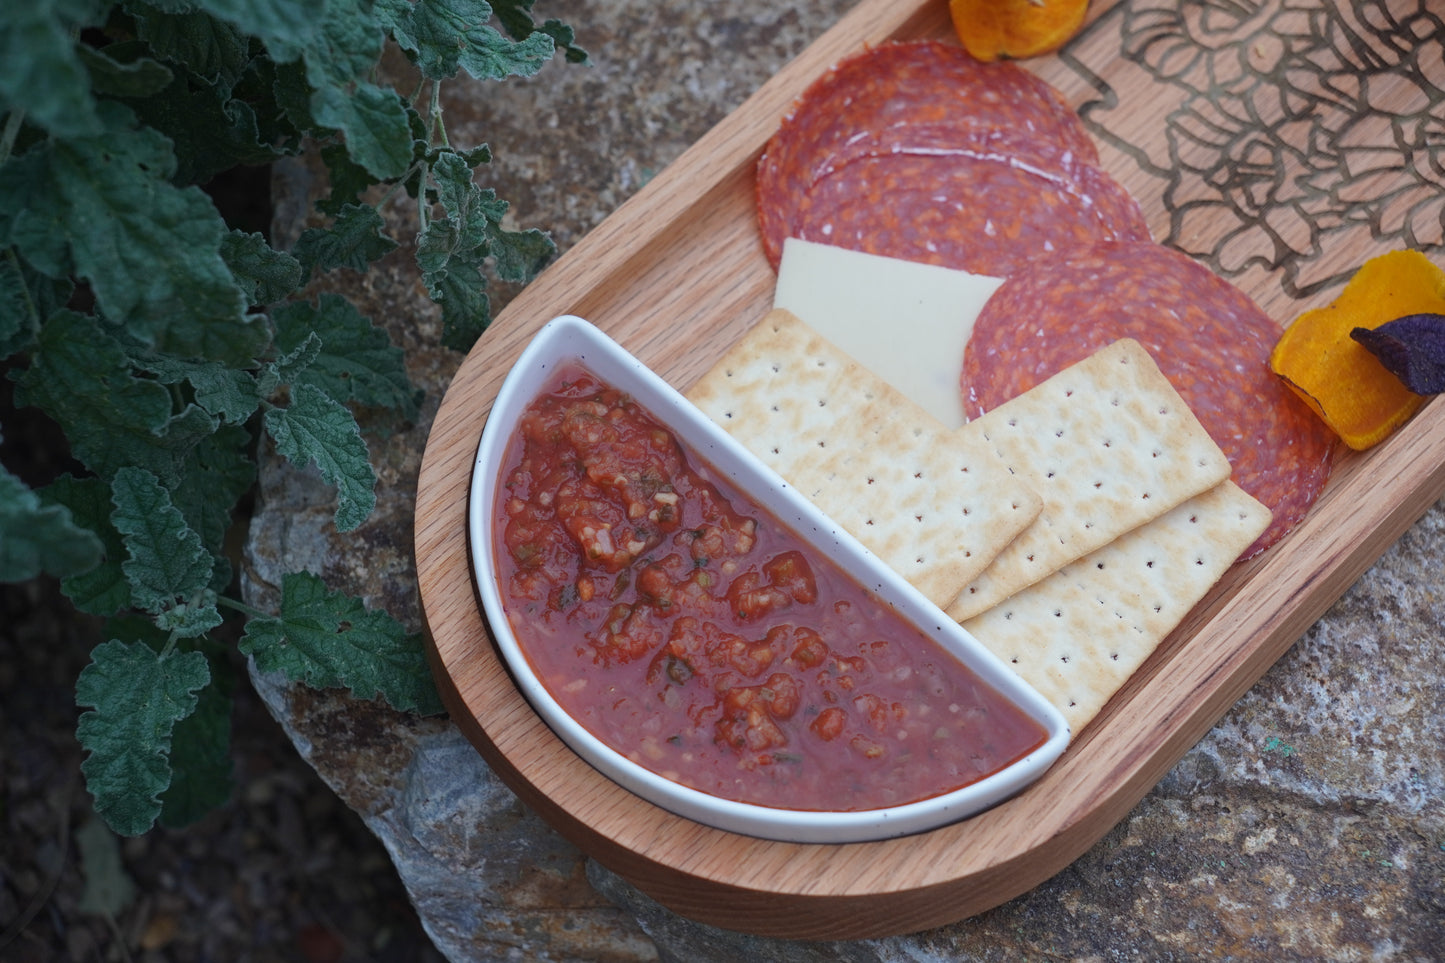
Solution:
(1346, 385)
(1013, 29)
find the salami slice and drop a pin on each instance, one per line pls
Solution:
(1207, 336)
(983, 211)
(885, 90)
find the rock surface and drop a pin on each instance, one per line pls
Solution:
(1309, 823)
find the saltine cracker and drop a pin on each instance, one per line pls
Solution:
(935, 509)
(1109, 445)
(1078, 635)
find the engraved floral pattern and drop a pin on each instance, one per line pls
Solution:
(1305, 126)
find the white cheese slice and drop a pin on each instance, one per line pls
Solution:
(904, 321)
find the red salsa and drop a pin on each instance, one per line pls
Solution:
(696, 635)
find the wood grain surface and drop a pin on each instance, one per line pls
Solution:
(677, 274)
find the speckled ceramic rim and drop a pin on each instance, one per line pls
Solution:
(569, 338)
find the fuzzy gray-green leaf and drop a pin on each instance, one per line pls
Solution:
(316, 428)
(135, 697)
(442, 36)
(201, 765)
(121, 70)
(328, 639)
(43, 73)
(372, 119)
(168, 567)
(356, 362)
(37, 537)
(210, 48)
(353, 241)
(265, 274)
(228, 393)
(106, 209)
(102, 590)
(82, 377)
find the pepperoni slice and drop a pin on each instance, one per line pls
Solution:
(1211, 341)
(980, 210)
(886, 90)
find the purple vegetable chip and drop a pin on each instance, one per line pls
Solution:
(1411, 348)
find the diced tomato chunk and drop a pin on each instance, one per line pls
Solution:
(828, 724)
(810, 651)
(781, 695)
(746, 723)
(790, 573)
(629, 633)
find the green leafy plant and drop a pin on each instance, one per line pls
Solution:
(164, 343)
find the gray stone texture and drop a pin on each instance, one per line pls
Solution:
(1308, 824)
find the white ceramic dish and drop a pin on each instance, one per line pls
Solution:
(570, 339)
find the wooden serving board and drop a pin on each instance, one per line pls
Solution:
(1215, 128)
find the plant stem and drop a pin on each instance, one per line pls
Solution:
(241, 607)
(439, 128)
